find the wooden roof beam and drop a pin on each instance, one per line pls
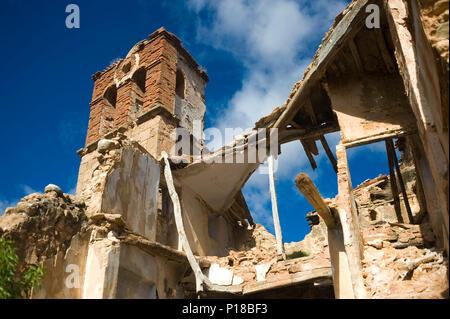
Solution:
(384, 51)
(356, 56)
(329, 153)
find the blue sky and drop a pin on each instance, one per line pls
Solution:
(253, 51)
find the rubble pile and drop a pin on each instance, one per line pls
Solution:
(401, 262)
(260, 262)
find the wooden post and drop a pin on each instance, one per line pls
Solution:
(400, 180)
(276, 220)
(393, 181)
(329, 153)
(199, 277)
(309, 190)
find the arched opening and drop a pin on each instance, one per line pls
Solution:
(180, 84)
(111, 95)
(126, 68)
(139, 78)
(373, 215)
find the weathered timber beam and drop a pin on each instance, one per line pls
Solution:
(157, 249)
(329, 152)
(307, 276)
(309, 108)
(309, 155)
(296, 125)
(276, 219)
(290, 135)
(311, 193)
(393, 181)
(312, 146)
(384, 50)
(335, 69)
(400, 180)
(377, 138)
(356, 56)
(199, 277)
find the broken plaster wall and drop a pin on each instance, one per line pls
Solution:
(64, 274)
(421, 77)
(102, 266)
(432, 201)
(119, 270)
(131, 190)
(434, 16)
(125, 181)
(208, 234)
(125, 187)
(369, 105)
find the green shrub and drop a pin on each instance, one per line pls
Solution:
(297, 254)
(12, 283)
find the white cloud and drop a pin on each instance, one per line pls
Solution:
(73, 190)
(28, 189)
(272, 39)
(4, 204)
(257, 200)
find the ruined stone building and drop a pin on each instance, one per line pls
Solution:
(147, 223)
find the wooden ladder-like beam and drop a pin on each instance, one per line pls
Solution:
(329, 152)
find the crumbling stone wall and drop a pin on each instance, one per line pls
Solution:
(51, 229)
(43, 224)
(400, 260)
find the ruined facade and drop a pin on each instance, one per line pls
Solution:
(145, 224)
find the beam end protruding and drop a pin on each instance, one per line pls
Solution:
(310, 191)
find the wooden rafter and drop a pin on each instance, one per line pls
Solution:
(355, 55)
(329, 153)
(400, 180)
(290, 135)
(308, 154)
(392, 179)
(384, 51)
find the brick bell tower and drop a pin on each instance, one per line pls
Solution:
(155, 89)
